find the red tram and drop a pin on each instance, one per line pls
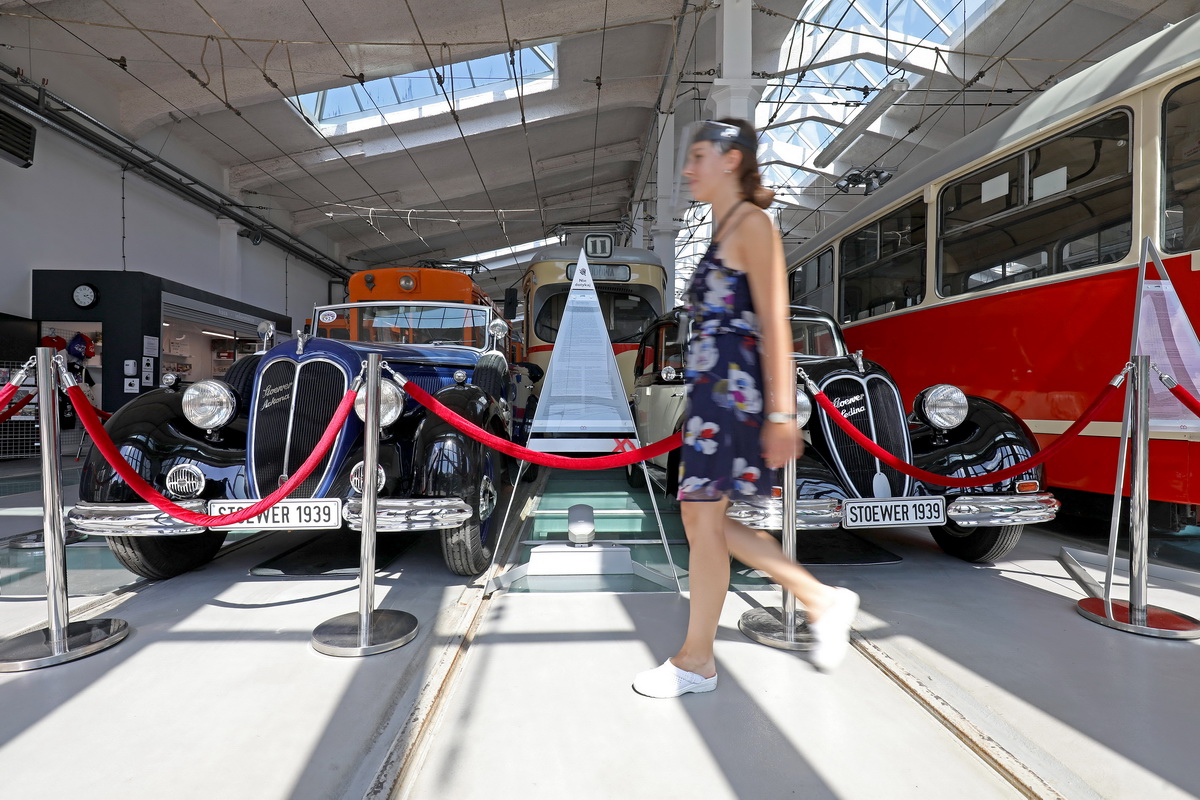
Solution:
(1007, 264)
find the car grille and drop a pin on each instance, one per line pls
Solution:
(872, 404)
(290, 413)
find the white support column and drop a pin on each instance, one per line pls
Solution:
(229, 257)
(735, 93)
(664, 229)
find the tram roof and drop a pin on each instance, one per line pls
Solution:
(622, 255)
(1144, 62)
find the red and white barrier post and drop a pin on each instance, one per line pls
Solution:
(60, 641)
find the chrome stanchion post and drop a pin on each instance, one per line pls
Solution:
(60, 641)
(781, 627)
(1137, 616)
(369, 631)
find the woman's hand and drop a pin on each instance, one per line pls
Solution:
(781, 442)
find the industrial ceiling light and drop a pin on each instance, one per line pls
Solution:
(862, 120)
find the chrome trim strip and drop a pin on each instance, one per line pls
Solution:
(1007, 509)
(133, 519)
(810, 515)
(409, 514)
(251, 449)
(829, 427)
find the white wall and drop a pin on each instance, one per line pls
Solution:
(64, 212)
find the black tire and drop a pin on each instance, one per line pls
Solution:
(634, 476)
(466, 548)
(159, 557)
(673, 457)
(975, 544)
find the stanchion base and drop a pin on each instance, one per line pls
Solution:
(33, 650)
(765, 626)
(1159, 622)
(36, 541)
(389, 629)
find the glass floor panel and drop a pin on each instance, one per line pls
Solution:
(623, 516)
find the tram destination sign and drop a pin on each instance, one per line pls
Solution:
(894, 512)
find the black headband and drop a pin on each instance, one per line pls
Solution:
(724, 133)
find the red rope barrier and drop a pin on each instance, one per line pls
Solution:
(12, 412)
(147, 492)
(533, 456)
(981, 480)
(7, 393)
(1187, 398)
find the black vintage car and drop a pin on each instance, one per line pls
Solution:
(240, 437)
(838, 483)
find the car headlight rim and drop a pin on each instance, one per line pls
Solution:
(209, 404)
(391, 403)
(944, 406)
(803, 408)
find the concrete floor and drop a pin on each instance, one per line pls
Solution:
(965, 680)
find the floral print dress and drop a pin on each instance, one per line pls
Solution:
(722, 452)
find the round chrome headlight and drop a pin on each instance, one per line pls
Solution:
(943, 406)
(209, 404)
(460, 376)
(803, 408)
(407, 283)
(391, 402)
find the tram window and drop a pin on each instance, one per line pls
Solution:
(1181, 169)
(895, 277)
(1077, 212)
(989, 191)
(670, 347)
(625, 315)
(812, 282)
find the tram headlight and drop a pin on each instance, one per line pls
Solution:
(408, 283)
(943, 406)
(803, 408)
(391, 402)
(209, 404)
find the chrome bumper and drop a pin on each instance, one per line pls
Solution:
(133, 519)
(982, 510)
(415, 514)
(971, 511)
(810, 515)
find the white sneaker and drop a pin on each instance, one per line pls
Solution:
(831, 632)
(669, 680)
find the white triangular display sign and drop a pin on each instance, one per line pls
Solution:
(583, 407)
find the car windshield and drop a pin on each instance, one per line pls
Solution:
(816, 338)
(405, 324)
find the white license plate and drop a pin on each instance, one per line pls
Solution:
(894, 512)
(317, 513)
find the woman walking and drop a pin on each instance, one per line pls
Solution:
(740, 423)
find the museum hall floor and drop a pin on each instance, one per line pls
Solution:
(965, 681)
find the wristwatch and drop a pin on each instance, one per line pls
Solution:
(780, 416)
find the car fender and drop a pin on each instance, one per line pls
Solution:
(153, 434)
(991, 438)
(445, 460)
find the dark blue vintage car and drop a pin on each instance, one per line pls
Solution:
(840, 484)
(239, 438)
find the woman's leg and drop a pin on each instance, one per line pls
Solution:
(708, 582)
(761, 551)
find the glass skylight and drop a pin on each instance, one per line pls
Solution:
(416, 94)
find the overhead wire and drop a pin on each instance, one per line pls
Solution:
(184, 114)
(596, 118)
(274, 85)
(458, 124)
(518, 75)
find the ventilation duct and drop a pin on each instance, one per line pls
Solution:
(16, 140)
